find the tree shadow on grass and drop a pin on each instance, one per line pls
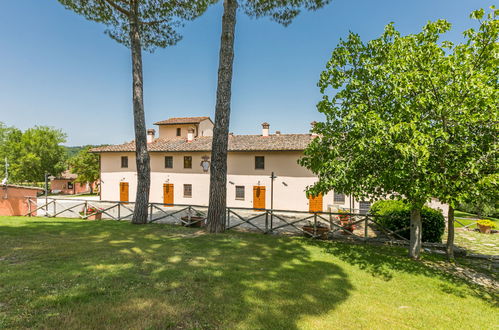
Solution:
(384, 261)
(77, 274)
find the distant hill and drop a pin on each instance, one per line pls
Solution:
(72, 151)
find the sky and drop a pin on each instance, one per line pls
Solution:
(58, 69)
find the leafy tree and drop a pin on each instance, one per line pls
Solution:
(39, 152)
(140, 24)
(10, 138)
(283, 12)
(86, 165)
(462, 95)
(401, 109)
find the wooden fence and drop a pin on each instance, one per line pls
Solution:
(325, 225)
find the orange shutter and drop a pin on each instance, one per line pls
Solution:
(259, 197)
(168, 194)
(123, 191)
(315, 203)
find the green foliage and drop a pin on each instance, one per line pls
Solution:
(33, 153)
(86, 165)
(158, 19)
(486, 223)
(410, 115)
(396, 215)
(280, 11)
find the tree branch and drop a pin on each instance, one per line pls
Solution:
(117, 7)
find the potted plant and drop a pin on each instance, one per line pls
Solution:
(321, 230)
(485, 226)
(345, 220)
(92, 213)
(194, 220)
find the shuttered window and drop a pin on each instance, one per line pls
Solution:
(188, 190)
(124, 162)
(168, 162)
(259, 162)
(187, 162)
(240, 192)
(339, 198)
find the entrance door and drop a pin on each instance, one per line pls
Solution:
(168, 194)
(123, 191)
(259, 197)
(315, 203)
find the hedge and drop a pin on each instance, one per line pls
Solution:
(395, 215)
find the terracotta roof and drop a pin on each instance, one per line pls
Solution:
(182, 120)
(20, 187)
(67, 175)
(283, 142)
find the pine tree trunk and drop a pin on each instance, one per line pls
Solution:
(450, 233)
(143, 166)
(218, 167)
(416, 233)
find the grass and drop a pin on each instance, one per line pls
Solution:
(65, 273)
(476, 242)
(463, 221)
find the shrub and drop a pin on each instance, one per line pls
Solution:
(396, 215)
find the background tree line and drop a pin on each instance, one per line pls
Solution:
(39, 150)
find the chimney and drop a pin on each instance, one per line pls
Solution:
(150, 135)
(313, 126)
(190, 134)
(265, 129)
(277, 133)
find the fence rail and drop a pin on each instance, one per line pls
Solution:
(325, 225)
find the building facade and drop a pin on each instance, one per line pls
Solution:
(263, 170)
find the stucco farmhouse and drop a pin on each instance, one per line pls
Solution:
(180, 161)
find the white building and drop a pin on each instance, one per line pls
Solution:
(180, 169)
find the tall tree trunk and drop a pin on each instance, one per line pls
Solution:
(218, 168)
(416, 233)
(142, 156)
(450, 233)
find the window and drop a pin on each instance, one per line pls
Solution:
(168, 162)
(124, 162)
(240, 192)
(70, 185)
(259, 162)
(179, 131)
(187, 162)
(188, 190)
(339, 198)
(364, 207)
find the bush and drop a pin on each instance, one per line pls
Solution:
(486, 223)
(396, 215)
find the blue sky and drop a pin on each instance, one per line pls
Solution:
(60, 70)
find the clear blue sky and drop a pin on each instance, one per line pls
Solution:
(60, 70)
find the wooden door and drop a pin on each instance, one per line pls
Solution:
(259, 197)
(315, 203)
(123, 191)
(168, 194)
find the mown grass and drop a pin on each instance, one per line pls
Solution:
(63, 273)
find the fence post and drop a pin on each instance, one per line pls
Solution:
(227, 221)
(266, 222)
(85, 210)
(55, 207)
(366, 221)
(119, 211)
(315, 224)
(150, 212)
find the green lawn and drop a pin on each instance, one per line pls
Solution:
(461, 217)
(62, 273)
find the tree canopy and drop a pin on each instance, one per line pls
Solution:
(86, 165)
(158, 20)
(33, 153)
(409, 116)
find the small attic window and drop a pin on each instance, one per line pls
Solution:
(179, 131)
